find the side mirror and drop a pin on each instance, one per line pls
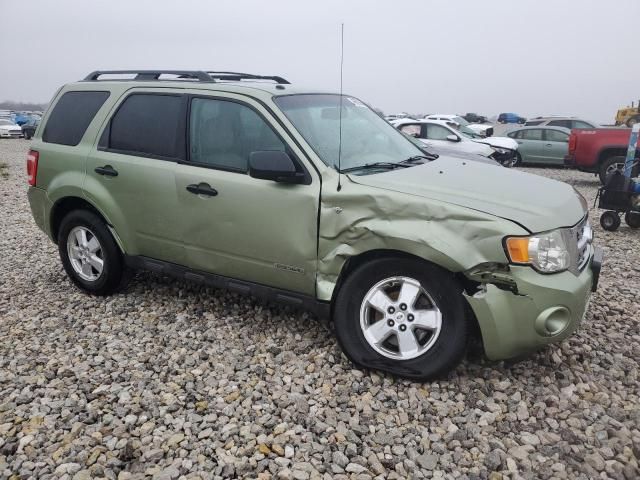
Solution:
(453, 138)
(274, 165)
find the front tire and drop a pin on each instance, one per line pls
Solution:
(632, 121)
(402, 316)
(89, 253)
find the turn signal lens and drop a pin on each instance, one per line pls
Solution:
(518, 248)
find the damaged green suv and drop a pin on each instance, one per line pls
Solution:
(248, 183)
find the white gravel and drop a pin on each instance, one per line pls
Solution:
(171, 380)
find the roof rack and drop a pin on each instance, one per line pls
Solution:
(237, 76)
(153, 74)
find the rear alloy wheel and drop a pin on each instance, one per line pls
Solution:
(402, 316)
(609, 166)
(610, 221)
(632, 219)
(89, 253)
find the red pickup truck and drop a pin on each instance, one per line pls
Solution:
(599, 150)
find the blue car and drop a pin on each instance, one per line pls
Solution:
(510, 118)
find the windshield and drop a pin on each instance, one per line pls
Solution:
(366, 137)
(460, 121)
(467, 132)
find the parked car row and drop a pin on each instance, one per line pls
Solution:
(18, 124)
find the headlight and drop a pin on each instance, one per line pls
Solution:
(546, 252)
(501, 151)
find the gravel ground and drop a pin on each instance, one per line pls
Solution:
(170, 380)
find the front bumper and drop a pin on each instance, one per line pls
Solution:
(546, 309)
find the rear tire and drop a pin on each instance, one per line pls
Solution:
(609, 165)
(632, 219)
(632, 121)
(89, 253)
(423, 338)
(610, 221)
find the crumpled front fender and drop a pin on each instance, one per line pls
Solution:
(358, 219)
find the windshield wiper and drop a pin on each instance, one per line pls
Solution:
(417, 158)
(366, 166)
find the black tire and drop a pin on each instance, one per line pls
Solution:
(448, 349)
(632, 121)
(610, 221)
(518, 162)
(632, 219)
(114, 274)
(607, 164)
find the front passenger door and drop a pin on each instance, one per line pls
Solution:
(235, 225)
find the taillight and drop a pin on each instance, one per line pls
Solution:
(573, 142)
(32, 167)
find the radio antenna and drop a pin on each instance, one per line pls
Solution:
(340, 113)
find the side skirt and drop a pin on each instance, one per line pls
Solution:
(285, 297)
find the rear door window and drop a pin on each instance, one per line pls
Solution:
(555, 136)
(71, 116)
(148, 124)
(533, 134)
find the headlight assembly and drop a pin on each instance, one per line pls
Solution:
(546, 252)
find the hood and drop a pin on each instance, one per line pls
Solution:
(10, 128)
(499, 142)
(479, 127)
(537, 203)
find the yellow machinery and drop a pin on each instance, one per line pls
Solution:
(628, 116)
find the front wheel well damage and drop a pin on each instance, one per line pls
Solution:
(467, 286)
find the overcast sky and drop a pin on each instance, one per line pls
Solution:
(528, 56)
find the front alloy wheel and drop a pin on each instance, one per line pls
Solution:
(399, 319)
(402, 315)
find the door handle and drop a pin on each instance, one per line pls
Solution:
(107, 170)
(202, 189)
(548, 145)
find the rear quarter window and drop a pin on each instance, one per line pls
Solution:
(71, 116)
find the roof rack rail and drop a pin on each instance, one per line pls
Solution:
(153, 74)
(237, 76)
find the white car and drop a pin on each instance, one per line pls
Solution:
(457, 121)
(9, 129)
(440, 134)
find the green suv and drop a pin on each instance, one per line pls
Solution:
(308, 198)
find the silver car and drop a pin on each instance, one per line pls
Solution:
(566, 122)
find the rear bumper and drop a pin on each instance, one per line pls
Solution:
(40, 208)
(569, 160)
(546, 309)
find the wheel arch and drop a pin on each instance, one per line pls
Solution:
(610, 151)
(356, 261)
(65, 205)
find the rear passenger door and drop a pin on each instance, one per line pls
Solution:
(530, 145)
(131, 173)
(235, 225)
(556, 146)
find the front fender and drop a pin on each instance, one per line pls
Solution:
(359, 219)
